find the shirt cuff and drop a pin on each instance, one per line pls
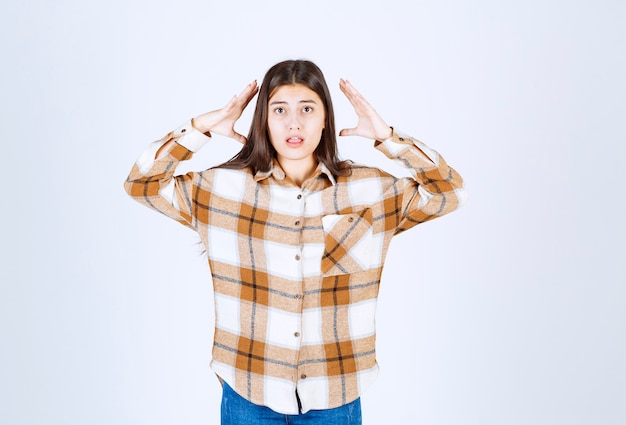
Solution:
(189, 137)
(400, 141)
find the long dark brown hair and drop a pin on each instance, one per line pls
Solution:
(258, 152)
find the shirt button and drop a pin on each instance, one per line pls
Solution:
(297, 257)
(303, 376)
(297, 334)
(299, 196)
(298, 223)
(351, 219)
(183, 130)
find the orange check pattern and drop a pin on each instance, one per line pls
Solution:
(296, 270)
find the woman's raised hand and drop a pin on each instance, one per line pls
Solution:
(222, 121)
(370, 125)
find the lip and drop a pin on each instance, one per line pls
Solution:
(294, 141)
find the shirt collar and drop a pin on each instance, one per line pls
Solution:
(279, 174)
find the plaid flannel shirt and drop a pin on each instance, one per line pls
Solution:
(296, 270)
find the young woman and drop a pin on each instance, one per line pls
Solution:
(296, 241)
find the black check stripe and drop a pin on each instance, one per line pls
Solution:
(329, 254)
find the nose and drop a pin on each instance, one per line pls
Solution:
(294, 123)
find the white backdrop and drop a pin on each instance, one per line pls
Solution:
(509, 311)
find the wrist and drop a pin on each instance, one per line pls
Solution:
(198, 126)
(386, 134)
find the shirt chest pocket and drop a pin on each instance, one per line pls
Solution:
(348, 243)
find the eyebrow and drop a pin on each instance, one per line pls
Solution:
(279, 102)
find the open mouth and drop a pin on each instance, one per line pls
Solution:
(295, 141)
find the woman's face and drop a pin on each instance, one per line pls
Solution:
(295, 120)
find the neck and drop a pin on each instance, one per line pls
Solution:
(298, 171)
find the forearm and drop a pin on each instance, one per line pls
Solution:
(435, 189)
(151, 181)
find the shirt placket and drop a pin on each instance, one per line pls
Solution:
(310, 188)
(299, 296)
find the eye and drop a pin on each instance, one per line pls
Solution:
(279, 110)
(307, 109)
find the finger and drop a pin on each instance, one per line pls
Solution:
(356, 99)
(240, 138)
(253, 92)
(349, 90)
(247, 89)
(345, 89)
(248, 94)
(348, 132)
(231, 103)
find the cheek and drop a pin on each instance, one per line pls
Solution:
(316, 123)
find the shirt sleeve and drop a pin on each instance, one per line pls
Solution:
(435, 188)
(152, 182)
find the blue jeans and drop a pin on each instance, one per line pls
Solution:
(236, 410)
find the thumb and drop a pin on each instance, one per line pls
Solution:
(348, 132)
(240, 138)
